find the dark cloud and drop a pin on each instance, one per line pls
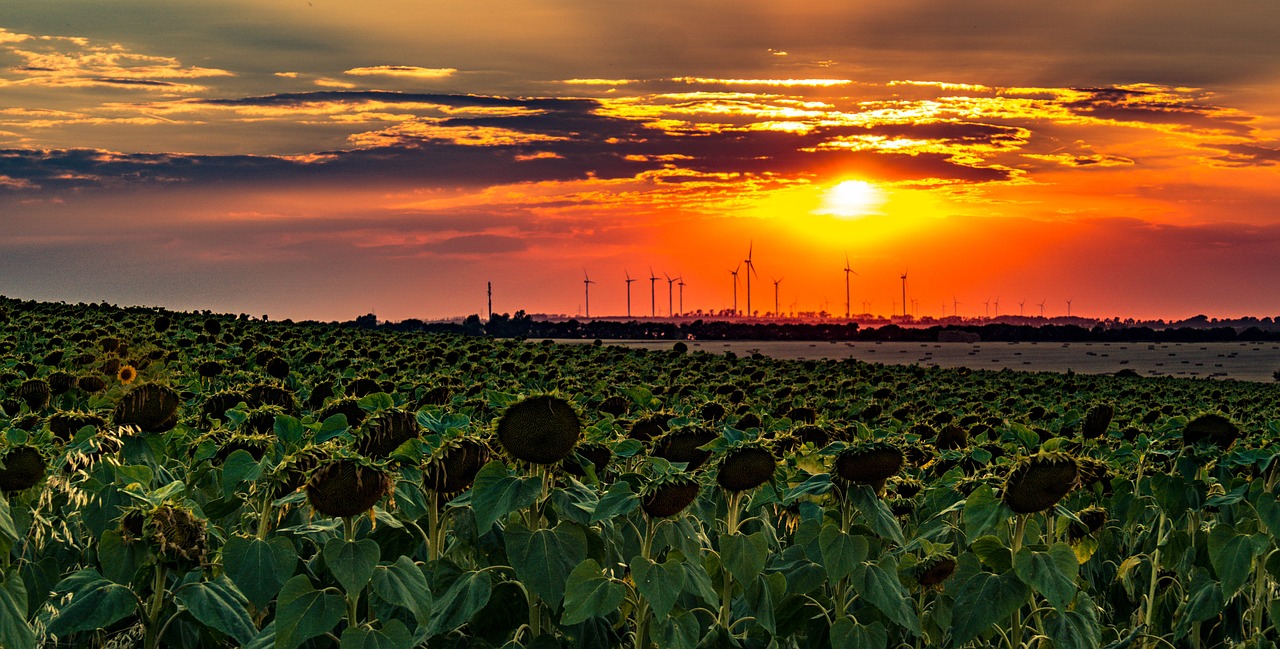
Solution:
(1127, 105)
(1247, 155)
(586, 144)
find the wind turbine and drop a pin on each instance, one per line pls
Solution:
(986, 308)
(751, 269)
(734, 272)
(847, 270)
(586, 286)
(653, 304)
(670, 304)
(681, 285)
(629, 280)
(776, 282)
(955, 306)
(997, 303)
(1024, 301)
(1042, 307)
(1068, 307)
(904, 293)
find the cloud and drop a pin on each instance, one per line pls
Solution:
(1246, 155)
(411, 71)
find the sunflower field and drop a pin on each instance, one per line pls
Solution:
(192, 479)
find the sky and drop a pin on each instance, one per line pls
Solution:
(316, 159)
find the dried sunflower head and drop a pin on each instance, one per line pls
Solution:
(1038, 482)
(541, 429)
(746, 467)
(346, 487)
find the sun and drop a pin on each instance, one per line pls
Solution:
(852, 199)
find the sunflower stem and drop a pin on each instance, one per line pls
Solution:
(642, 610)
(1015, 544)
(264, 518)
(155, 605)
(433, 526)
(731, 528)
(1155, 575)
(353, 599)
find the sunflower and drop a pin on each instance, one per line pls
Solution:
(127, 374)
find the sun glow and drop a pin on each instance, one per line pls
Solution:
(852, 199)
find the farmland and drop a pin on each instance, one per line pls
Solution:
(178, 479)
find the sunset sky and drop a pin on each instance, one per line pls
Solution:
(320, 159)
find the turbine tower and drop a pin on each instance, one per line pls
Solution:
(681, 285)
(1068, 307)
(751, 268)
(986, 308)
(955, 306)
(734, 272)
(653, 303)
(670, 303)
(997, 303)
(629, 280)
(847, 270)
(904, 293)
(586, 287)
(1024, 301)
(776, 282)
(1042, 306)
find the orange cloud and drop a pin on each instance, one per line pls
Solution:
(411, 71)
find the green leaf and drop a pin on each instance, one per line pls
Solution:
(237, 469)
(815, 485)
(289, 429)
(1204, 601)
(496, 493)
(1268, 511)
(878, 584)
(982, 512)
(760, 596)
(257, 567)
(1075, 628)
(590, 593)
(6, 522)
(460, 602)
(660, 584)
(993, 552)
(1052, 573)
(304, 612)
(403, 584)
(879, 517)
(847, 633)
(119, 560)
(351, 562)
(96, 603)
(697, 582)
(744, 555)
(983, 600)
(1232, 555)
(543, 559)
(392, 635)
(14, 630)
(619, 500)
(680, 631)
(333, 426)
(218, 605)
(841, 552)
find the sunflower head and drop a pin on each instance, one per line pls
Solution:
(64, 424)
(126, 374)
(745, 468)
(1096, 420)
(541, 429)
(684, 445)
(453, 467)
(21, 467)
(668, 495)
(1038, 482)
(173, 532)
(346, 487)
(1214, 428)
(869, 463)
(384, 432)
(934, 570)
(1091, 520)
(150, 406)
(35, 393)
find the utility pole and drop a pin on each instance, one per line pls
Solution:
(490, 285)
